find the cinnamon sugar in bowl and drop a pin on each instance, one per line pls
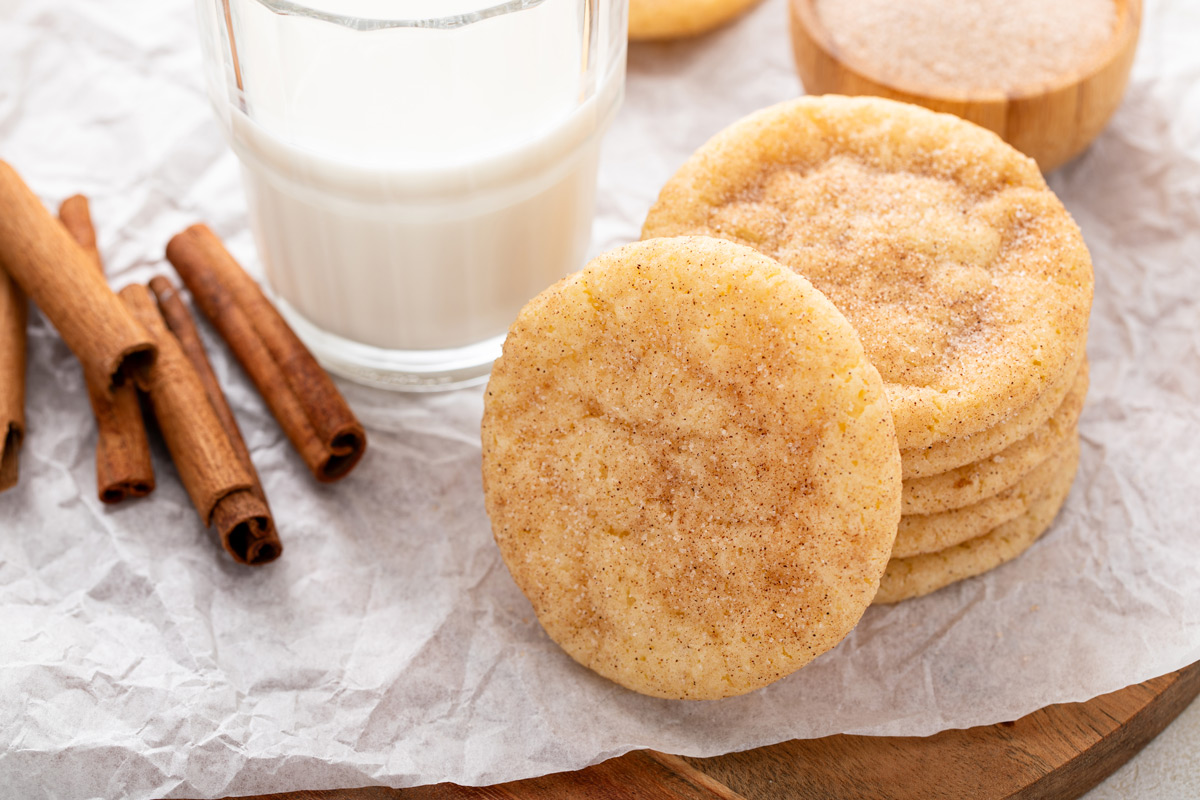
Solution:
(1045, 76)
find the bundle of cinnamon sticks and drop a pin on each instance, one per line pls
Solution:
(39, 258)
(146, 341)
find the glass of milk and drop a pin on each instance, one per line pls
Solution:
(416, 170)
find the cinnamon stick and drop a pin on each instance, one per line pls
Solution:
(220, 486)
(75, 213)
(264, 539)
(123, 465)
(302, 397)
(13, 319)
(57, 275)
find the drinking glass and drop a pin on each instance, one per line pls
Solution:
(415, 170)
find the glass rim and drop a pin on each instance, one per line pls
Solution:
(298, 8)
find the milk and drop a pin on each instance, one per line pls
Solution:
(411, 188)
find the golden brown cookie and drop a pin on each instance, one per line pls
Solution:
(954, 453)
(929, 533)
(920, 575)
(674, 19)
(983, 479)
(965, 277)
(690, 468)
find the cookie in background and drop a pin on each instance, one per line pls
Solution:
(677, 19)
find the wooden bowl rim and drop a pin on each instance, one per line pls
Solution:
(1128, 27)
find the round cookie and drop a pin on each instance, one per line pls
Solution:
(674, 19)
(919, 575)
(986, 478)
(954, 453)
(929, 533)
(690, 468)
(965, 277)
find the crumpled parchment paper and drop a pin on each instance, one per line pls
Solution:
(389, 644)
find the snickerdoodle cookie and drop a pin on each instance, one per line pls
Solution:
(950, 454)
(928, 533)
(990, 476)
(965, 277)
(674, 19)
(919, 575)
(690, 467)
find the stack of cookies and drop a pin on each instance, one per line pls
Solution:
(845, 366)
(967, 281)
(968, 519)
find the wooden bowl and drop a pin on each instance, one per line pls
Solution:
(1051, 122)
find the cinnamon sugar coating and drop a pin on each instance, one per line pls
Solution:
(965, 277)
(969, 47)
(690, 468)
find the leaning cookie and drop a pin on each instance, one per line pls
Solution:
(690, 468)
(674, 19)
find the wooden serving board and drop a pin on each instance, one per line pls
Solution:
(1060, 752)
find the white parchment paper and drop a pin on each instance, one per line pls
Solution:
(389, 644)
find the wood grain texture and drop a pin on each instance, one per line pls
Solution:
(642, 774)
(1059, 752)
(1051, 123)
